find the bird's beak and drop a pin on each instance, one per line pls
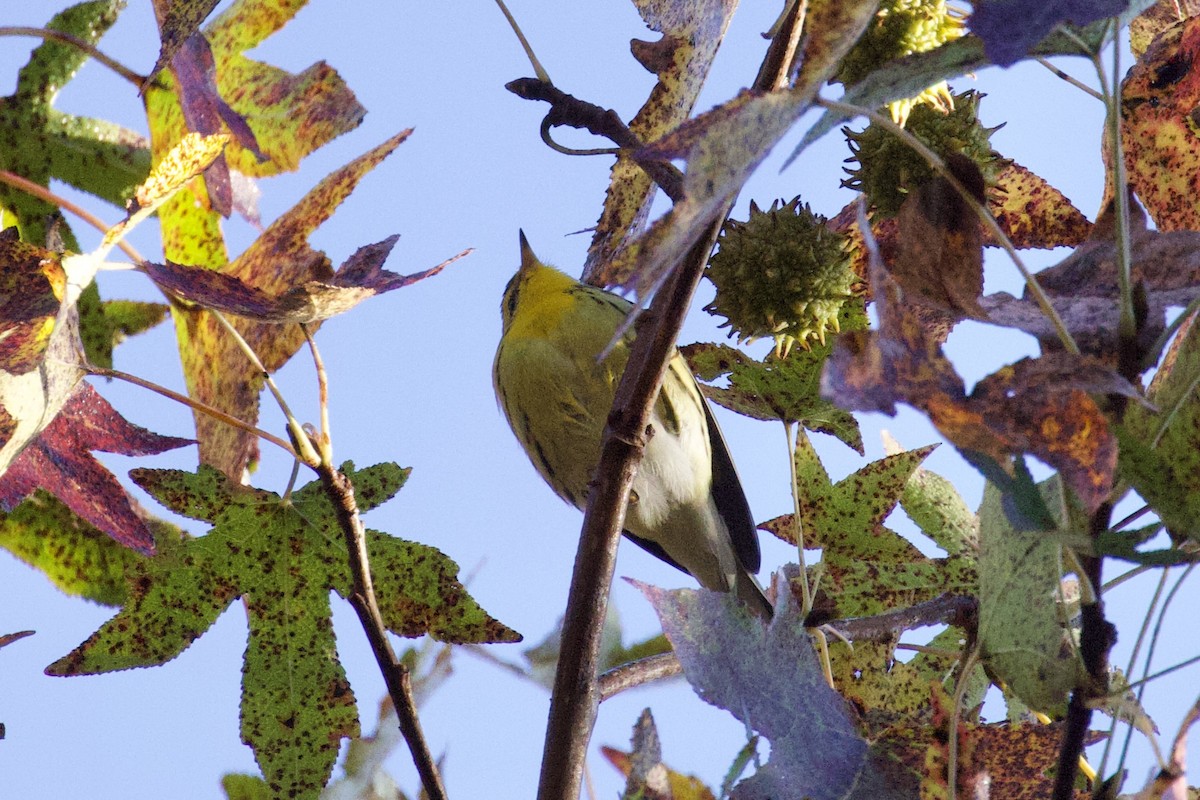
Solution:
(528, 259)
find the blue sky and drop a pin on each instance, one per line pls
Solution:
(411, 382)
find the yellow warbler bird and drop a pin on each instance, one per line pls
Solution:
(687, 506)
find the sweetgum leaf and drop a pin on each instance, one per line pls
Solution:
(1158, 130)
(1032, 213)
(278, 262)
(1038, 406)
(76, 557)
(105, 324)
(1023, 639)
(59, 460)
(1160, 450)
(647, 777)
(939, 243)
(681, 60)
(1083, 287)
(785, 389)
(289, 115)
(769, 678)
(181, 19)
(39, 142)
(361, 277)
(281, 558)
(1010, 28)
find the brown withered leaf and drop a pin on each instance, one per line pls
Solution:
(681, 60)
(1159, 98)
(1041, 407)
(939, 248)
(1083, 287)
(1030, 212)
(362, 276)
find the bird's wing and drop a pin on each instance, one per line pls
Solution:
(731, 498)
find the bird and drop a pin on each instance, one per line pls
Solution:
(687, 505)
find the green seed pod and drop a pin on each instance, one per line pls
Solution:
(888, 168)
(901, 28)
(781, 273)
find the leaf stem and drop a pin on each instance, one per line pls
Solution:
(793, 443)
(42, 193)
(1078, 84)
(300, 439)
(195, 405)
(67, 38)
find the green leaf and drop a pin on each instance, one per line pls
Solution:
(105, 324)
(1023, 639)
(39, 142)
(77, 558)
(245, 787)
(1160, 447)
(281, 558)
(936, 507)
(784, 389)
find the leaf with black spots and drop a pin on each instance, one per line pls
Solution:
(41, 143)
(1038, 406)
(776, 388)
(281, 558)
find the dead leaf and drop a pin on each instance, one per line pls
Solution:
(1029, 407)
(362, 276)
(939, 254)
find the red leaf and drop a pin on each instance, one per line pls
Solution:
(60, 462)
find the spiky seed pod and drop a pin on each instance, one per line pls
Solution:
(781, 273)
(888, 169)
(901, 28)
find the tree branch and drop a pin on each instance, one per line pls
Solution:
(395, 674)
(638, 673)
(569, 111)
(576, 695)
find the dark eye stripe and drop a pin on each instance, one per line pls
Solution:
(511, 291)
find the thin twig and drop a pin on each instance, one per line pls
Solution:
(325, 443)
(395, 674)
(66, 38)
(638, 673)
(42, 193)
(1078, 84)
(305, 449)
(195, 405)
(793, 442)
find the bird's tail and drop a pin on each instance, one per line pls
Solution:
(750, 593)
